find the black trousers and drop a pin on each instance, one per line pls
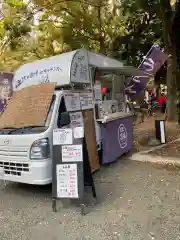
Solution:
(163, 107)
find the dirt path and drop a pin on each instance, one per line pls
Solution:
(147, 129)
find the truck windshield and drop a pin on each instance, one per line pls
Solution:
(49, 115)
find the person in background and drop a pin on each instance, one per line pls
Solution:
(162, 101)
(104, 92)
(152, 99)
(152, 102)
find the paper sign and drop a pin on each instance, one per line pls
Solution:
(72, 153)
(62, 136)
(72, 102)
(67, 181)
(5, 88)
(86, 100)
(97, 91)
(1, 172)
(78, 132)
(76, 119)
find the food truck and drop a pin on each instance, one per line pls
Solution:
(79, 76)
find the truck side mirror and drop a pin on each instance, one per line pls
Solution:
(64, 119)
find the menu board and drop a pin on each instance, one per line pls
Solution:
(72, 102)
(86, 100)
(67, 181)
(72, 153)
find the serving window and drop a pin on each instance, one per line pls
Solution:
(109, 93)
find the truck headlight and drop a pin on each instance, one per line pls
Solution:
(40, 149)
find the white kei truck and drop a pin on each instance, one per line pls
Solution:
(26, 154)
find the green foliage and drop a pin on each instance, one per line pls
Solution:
(15, 29)
(88, 24)
(144, 27)
(14, 25)
(123, 29)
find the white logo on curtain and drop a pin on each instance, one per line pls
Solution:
(122, 136)
(149, 64)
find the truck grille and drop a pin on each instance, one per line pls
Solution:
(10, 153)
(15, 169)
(13, 151)
(14, 160)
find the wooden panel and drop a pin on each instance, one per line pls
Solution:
(28, 107)
(90, 136)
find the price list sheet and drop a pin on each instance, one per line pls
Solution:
(67, 181)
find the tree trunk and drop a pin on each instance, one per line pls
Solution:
(175, 40)
(171, 87)
(157, 89)
(178, 79)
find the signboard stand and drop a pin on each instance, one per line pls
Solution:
(87, 178)
(71, 170)
(160, 131)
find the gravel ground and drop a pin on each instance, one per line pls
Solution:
(136, 201)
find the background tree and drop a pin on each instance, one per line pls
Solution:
(15, 34)
(63, 25)
(123, 29)
(167, 13)
(144, 29)
(90, 24)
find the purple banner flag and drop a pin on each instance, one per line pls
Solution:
(151, 63)
(5, 88)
